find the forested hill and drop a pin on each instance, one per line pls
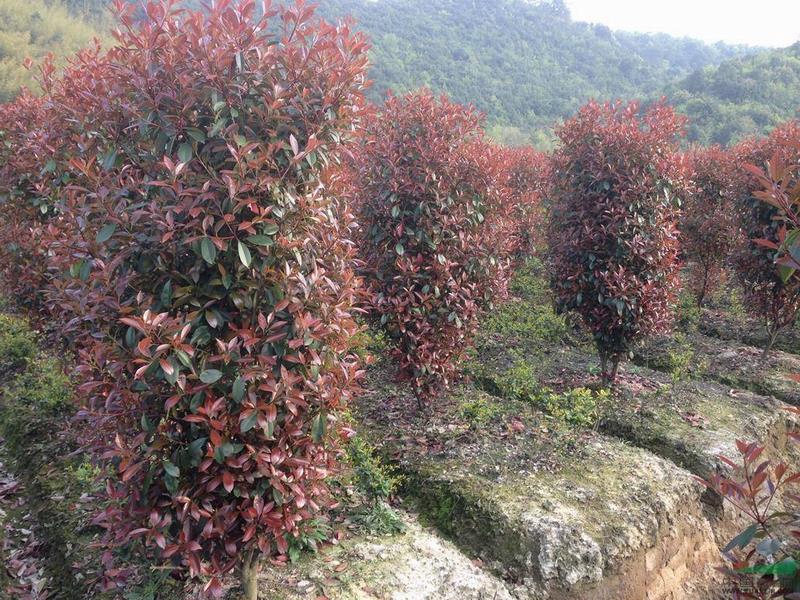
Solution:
(525, 64)
(34, 28)
(741, 96)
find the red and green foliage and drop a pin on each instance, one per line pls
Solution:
(763, 557)
(709, 224)
(428, 195)
(612, 231)
(203, 270)
(526, 176)
(770, 293)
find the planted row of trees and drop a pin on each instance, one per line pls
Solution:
(201, 210)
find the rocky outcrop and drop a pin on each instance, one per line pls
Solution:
(416, 565)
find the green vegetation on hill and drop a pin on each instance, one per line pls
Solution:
(32, 29)
(740, 97)
(525, 64)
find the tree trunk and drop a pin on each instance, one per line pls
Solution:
(702, 296)
(604, 370)
(250, 567)
(614, 369)
(772, 335)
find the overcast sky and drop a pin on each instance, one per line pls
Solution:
(754, 22)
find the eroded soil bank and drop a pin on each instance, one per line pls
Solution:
(525, 481)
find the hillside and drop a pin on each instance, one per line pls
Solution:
(525, 64)
(744, 95)
(31, 29)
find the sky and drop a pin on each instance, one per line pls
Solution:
(753, 22)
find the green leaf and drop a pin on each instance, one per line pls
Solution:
(239, 389)
(741, 540)
(270, 229)
(249, 422)
(105, 233)
(260, 240)
(166, 293)
(109, 160)
(399, 249)
(196, 134)
(318, 427)
(210, 376)
(171, 469)
(185, 152)
(244, 254)
(208, 250)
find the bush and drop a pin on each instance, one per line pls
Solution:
(34, 403)
(202, 271)
(378, 482)
(17, 343)
(525, 173)
(762, 558)
(687, 312)
(374, 479)
(709, 225)
(771, 292)
(612, 234)
(431, 238)
(579, 407)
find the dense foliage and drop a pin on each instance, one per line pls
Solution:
(771, 294)
(428, 200)
(31, 30)
(612, 233)
(709, 224)
(526, 64)
(526, 175)
(202, 270)
(743, 96)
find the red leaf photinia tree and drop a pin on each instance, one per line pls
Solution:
(428, 196)
(526, 173)
(709, 223)
(203, 270)
(612, 233)
(771, 292)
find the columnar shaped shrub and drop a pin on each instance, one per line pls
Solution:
(612, 233)
(204, 269)
(526, 174)
(428, 196)
(709, 223)
(27, 176)
(771, 293)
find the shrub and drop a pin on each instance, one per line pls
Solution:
(612, 233)
(708, 224)
(771, 292)
(687, 312)
(203, 270)
(525, 174)
(428, 201)
(373, 478)
(17, 343)
(579, 407)
(33, 403)
(762, 558)
(378, 482)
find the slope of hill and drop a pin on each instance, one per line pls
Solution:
(526, 64)
(31, 29)
(742, 96)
